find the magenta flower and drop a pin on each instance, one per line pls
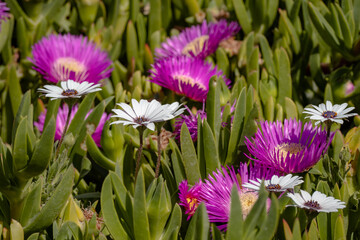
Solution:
(4, 12)
(216, 193)
(288, 147)
(61, 121)
(189, 198)
(191, 122)
(199, 41)
(185, 76)
(63, 57)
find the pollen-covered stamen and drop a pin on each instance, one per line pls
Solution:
(247, 200)
(195, 46)
(69, 92)
(329, 114)
(140, 120)
(66, 66)
(193, 204)
(182, 79)
(289, 148)
(312, 204)
(273, 187)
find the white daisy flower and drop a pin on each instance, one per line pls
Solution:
(327, 112)
(317, 202)
(69, 89)
(275, 184)
(146, 113)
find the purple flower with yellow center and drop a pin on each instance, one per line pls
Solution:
(189, 198)
(61, 121)
(216, 193)
(185, 76)
(197, 41)
(289, 147)
(63, 57)
(4, 12)
(191, 122)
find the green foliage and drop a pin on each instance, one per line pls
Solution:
(292, 54)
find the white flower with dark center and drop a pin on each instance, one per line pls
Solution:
(146, 113)
(329, 112)
(318, 202)
(69, 89)
(275, 184)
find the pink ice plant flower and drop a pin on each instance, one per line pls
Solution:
(63, 57)
(216, 193)
(197, 41)
(189, 198)
(290, 147)
(4, 12)
(61, 121)
(185, 76)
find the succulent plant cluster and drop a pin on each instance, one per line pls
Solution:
(166, 119)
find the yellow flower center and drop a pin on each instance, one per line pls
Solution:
(188, 80)
(247, 200)
(63, 66)
(289, 148)
(195, 46)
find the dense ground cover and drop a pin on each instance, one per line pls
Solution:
(166, 119)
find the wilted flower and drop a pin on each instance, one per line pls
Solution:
(185, 76)
(61, 121)
(191, 122)
(199, 41)
(146, 113)
(329, 112)
(318, 202)
(4, 12)
(69, 89)
(63, 57)
(276, 183)
(288, 147)
(216, 195)
(189, 198)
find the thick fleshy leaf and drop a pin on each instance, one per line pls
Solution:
(53, 206)
(189, 157)
(140, 217)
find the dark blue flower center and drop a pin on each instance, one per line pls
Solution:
(312, 204)
(69, 92)
(140, 120)
(273, 187)
(329, 114)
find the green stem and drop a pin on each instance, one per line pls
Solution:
(64, 131)
(157, 171)
(138, 158)
(328, 127)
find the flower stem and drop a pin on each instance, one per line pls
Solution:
(328, 124)
(157, 171)
(138, 158)
(64, 131)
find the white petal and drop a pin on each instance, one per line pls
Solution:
(128, 110)
(328, 105)
(151, 126)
